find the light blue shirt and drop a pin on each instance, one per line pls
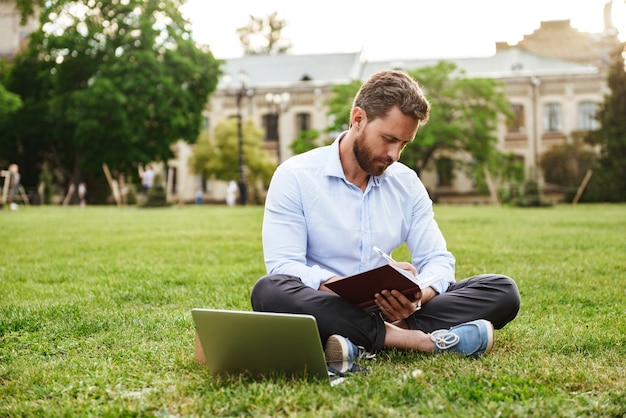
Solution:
(318, 225)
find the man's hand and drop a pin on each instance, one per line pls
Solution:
(395, 306)
(323, 287)
(403, 265)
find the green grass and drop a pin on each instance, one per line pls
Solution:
(95, 317)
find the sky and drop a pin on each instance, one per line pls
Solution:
(395, 29)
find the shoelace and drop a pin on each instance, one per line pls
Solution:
(363, 354)
(444, 339)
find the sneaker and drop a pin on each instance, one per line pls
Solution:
(341, 355)
(470, 339)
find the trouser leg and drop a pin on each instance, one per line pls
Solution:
(492, 297)
(334, 315)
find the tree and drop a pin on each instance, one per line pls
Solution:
(463, 119)
(566, 166)
(264, 36)
(608, 183)
(217, 156)
(108, 81)
(9, 102)
(305, 141)
(340, 104)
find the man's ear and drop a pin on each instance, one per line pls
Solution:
(357, 117)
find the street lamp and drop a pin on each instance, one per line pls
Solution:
(535, 83)
(278, 103)
(240, 94)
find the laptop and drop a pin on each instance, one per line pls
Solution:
(261, 344)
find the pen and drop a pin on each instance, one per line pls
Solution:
(391, 260)
(384, 254)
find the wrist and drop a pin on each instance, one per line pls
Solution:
(427, 294)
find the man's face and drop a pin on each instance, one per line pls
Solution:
(378, 143)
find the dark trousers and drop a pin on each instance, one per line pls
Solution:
(492, 297)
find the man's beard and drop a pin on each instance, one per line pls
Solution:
(366, 161)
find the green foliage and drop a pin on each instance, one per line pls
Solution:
(609, 184)
(463, 118)
(46, 179)
(531, 196)
(109, 81)
(156, 195)
(9, 102)
(218, 156)
(264, 35)
(27, 8)
(510, 172)
(340, 104)
(565, 166)
(305, 141)
(131, 195)
(205, 159)
(98, 323)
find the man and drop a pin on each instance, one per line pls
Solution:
(14, 185)
(325, 211)
(147, 177)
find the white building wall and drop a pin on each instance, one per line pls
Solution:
(12, 33)
(568, 90)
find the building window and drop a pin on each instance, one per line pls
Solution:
(552, 117)
(270, 124)
(205, 123)
(587, 116)
(445, 171)
(303, 122)
(516, 123)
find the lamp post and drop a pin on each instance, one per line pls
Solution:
(241, 181)
(278, 103)
(535, 83)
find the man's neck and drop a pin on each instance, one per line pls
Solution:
(351, 169)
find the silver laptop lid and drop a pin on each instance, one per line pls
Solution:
(260, 344)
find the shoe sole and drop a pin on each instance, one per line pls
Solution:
(491, 337)
(336, 350)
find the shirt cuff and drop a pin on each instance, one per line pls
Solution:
(440, 286)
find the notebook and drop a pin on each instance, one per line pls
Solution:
(361, 288)
(261, 344)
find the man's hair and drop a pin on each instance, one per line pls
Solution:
(388, 88)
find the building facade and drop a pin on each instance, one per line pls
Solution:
(554, 79)
(554, 96)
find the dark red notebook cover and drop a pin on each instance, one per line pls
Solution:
(360, 288)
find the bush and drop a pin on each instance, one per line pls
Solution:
(531, 196)
(45, 178)
(156, 195)
(566, 166)
(131, 195)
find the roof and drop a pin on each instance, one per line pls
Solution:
(512, 62)
(287, 69)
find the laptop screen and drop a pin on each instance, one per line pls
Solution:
(260, 344)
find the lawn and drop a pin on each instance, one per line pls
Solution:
(95, 317)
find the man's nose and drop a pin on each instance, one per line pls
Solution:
(394, 152)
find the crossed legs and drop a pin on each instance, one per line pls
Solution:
(490, 296)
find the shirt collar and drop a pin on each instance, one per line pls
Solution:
(334, 168)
